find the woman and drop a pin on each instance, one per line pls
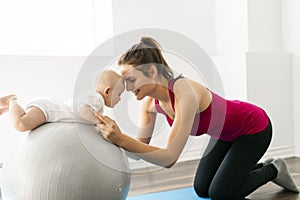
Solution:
(240, 132)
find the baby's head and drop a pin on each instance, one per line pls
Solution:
(110, 86)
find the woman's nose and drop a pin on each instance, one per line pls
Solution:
(128, 87)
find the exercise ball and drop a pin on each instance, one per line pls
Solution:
(65, 161)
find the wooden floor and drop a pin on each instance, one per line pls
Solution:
(182, 174)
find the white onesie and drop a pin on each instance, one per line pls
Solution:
(55, 111)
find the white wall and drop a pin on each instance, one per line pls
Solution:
(193, 18)
(231, 26)
(269, 72)
(269, 84)
(291, 43)
(264, 25)
(231, 45)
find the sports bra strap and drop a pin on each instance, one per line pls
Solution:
(171, 93)
(157, 106)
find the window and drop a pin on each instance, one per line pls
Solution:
(56, 27)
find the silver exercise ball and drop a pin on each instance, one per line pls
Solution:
(64, 161)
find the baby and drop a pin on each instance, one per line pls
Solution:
(109, 88)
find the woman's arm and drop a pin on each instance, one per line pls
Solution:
(111, 132)
(146, 124)
(147, 119)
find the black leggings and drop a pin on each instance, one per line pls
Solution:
(229, 170)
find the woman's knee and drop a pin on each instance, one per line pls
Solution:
(217, 193)
(213, 193)
(201, 190)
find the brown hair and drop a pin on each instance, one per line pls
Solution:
(145, 54)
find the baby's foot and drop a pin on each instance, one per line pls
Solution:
(4, 101)
(3, 110)
(284, 178)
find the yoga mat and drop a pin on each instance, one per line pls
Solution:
(180, 194)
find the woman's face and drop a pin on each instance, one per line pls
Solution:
(137, 82)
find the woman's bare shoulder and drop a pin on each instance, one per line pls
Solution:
(188, 85)
(192, 90)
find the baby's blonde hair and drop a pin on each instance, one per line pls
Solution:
(108, 78)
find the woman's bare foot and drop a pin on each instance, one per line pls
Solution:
(4, 101)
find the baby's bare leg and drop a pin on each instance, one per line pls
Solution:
(25, 120)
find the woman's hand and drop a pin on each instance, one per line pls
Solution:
(109, 129)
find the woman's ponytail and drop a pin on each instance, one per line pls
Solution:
(144, 54)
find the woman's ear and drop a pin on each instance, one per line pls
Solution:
(153, 71)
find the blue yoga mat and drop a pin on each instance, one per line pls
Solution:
(180, 194)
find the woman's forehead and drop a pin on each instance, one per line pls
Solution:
(127, 70)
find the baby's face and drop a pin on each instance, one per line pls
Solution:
(116, 93)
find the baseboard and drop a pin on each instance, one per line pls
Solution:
(297, 151)
(282, 151)
(195, 154)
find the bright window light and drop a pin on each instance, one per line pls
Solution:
(56, 27)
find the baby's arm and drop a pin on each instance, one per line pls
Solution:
(86, 112)
(87, 105)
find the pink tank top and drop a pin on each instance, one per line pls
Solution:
(223, 119)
